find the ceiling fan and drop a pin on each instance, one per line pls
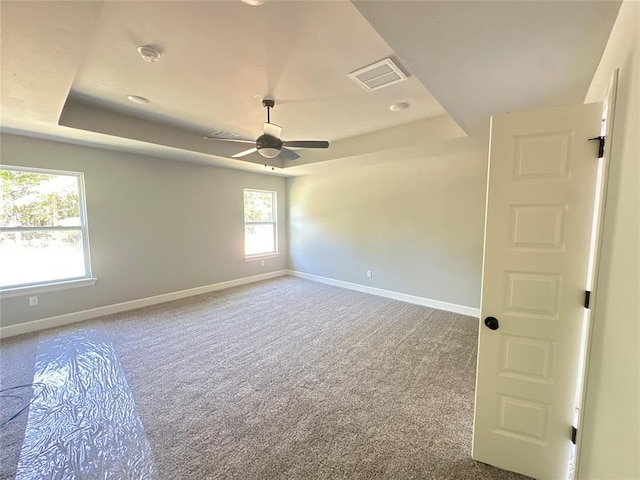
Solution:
(269, 144)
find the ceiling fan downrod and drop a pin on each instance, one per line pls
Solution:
(268, 104)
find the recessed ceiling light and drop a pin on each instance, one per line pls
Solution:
(138, 99)
(149, 54)
(397, 107)
(254, 3)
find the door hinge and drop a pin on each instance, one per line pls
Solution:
(587, 298)
(574, 435)
(600, 140)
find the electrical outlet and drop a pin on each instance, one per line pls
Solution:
(369, 274)
(33, 301)
(262, 263)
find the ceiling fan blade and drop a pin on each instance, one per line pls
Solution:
(236, 140)
(272, 129)
(288, 154)
(306, 143)
(245, 153)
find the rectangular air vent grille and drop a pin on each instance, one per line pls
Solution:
(224, 134)
(378, 75)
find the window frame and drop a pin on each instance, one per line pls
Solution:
(60, 283)
(274, 222)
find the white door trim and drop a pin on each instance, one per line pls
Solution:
(610, 97)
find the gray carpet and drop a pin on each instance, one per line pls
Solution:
(17, 356)
(291, 379)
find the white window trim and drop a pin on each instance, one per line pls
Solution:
(260, 256)
(62, 283)
(46, 287)
(276, 252)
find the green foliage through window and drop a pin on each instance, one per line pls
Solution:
(258, 206)
(260, 229)
(38, 200)
(42, 231)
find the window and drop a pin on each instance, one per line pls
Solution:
(43, 228)
(260, 224)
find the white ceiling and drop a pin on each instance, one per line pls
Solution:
(67, 68)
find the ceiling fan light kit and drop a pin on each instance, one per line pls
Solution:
(269, 144)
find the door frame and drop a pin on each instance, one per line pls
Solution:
(609, 96)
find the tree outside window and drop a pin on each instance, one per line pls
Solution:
(43, 230)
(260, 224)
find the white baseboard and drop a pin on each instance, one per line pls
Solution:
(427, 302)
(68, 318)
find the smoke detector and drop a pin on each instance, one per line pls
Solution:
(378, 75)
(149, 54)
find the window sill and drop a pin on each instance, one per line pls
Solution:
(47, 287)
(265, 256)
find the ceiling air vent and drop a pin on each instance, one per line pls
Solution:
(378, 75)
(224, 134)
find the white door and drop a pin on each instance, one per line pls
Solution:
(540, 200)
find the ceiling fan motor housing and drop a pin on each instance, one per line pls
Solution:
(268, 146)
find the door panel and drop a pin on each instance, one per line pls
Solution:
(542, 174)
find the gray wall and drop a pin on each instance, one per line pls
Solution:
(417, 224)
(155, 226)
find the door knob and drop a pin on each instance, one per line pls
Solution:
(492, 323)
